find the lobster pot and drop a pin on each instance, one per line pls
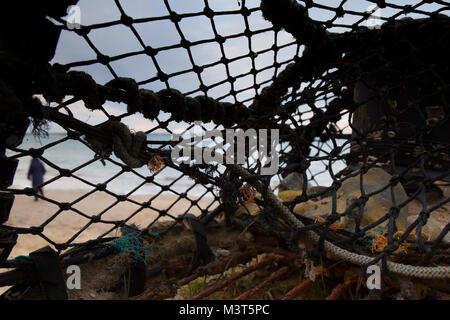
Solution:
(160, 147)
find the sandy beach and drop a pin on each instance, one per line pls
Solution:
(26, 213)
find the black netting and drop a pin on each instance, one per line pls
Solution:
(361, 111)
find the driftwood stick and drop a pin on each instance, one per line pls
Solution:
(274, 276)
(188, 279)
(306, 284)
(296, 291)
(290, 256)
(219, 266)
(337, 292)
(216, 287)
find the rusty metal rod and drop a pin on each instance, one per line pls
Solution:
(274, 276)
(216, 287)
(296, 291)
(337, 292)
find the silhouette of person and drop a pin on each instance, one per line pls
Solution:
(36, 175)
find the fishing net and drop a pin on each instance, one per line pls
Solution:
(356, 92)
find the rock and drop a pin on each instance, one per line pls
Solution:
(252, 208)
(432, 229)
(318, 189)
(289, 195)
(293, 181)
(307, 207)
(376, 207)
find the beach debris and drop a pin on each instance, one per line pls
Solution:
(378, 240)
(220, 285)
(311, 270)
(267, 282)
(131, 243)
(219, 265)
(333, 226)
(155, 163)
(299, 289)
(247, 193)
(350, 278)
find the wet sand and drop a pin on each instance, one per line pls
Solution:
(26, 213)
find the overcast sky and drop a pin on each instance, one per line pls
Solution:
(119, 39)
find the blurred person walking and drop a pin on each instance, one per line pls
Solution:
(36, 175)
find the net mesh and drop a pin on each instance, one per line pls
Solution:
(348, 96)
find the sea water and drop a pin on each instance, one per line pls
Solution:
(73, 155)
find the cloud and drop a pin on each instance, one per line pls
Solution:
(119, 39)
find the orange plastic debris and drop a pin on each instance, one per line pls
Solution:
(334, 226)
(247, 193)
(155, 163)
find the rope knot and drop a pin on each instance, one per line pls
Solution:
(85, 87)
(127, 146)
(131, 87)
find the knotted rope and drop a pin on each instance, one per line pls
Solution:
(126, 145)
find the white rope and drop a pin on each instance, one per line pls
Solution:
(439, 272)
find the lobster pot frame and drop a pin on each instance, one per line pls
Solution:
(188, 138)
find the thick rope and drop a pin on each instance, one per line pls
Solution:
(439, 272)
(145, 101)
(127, 146)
